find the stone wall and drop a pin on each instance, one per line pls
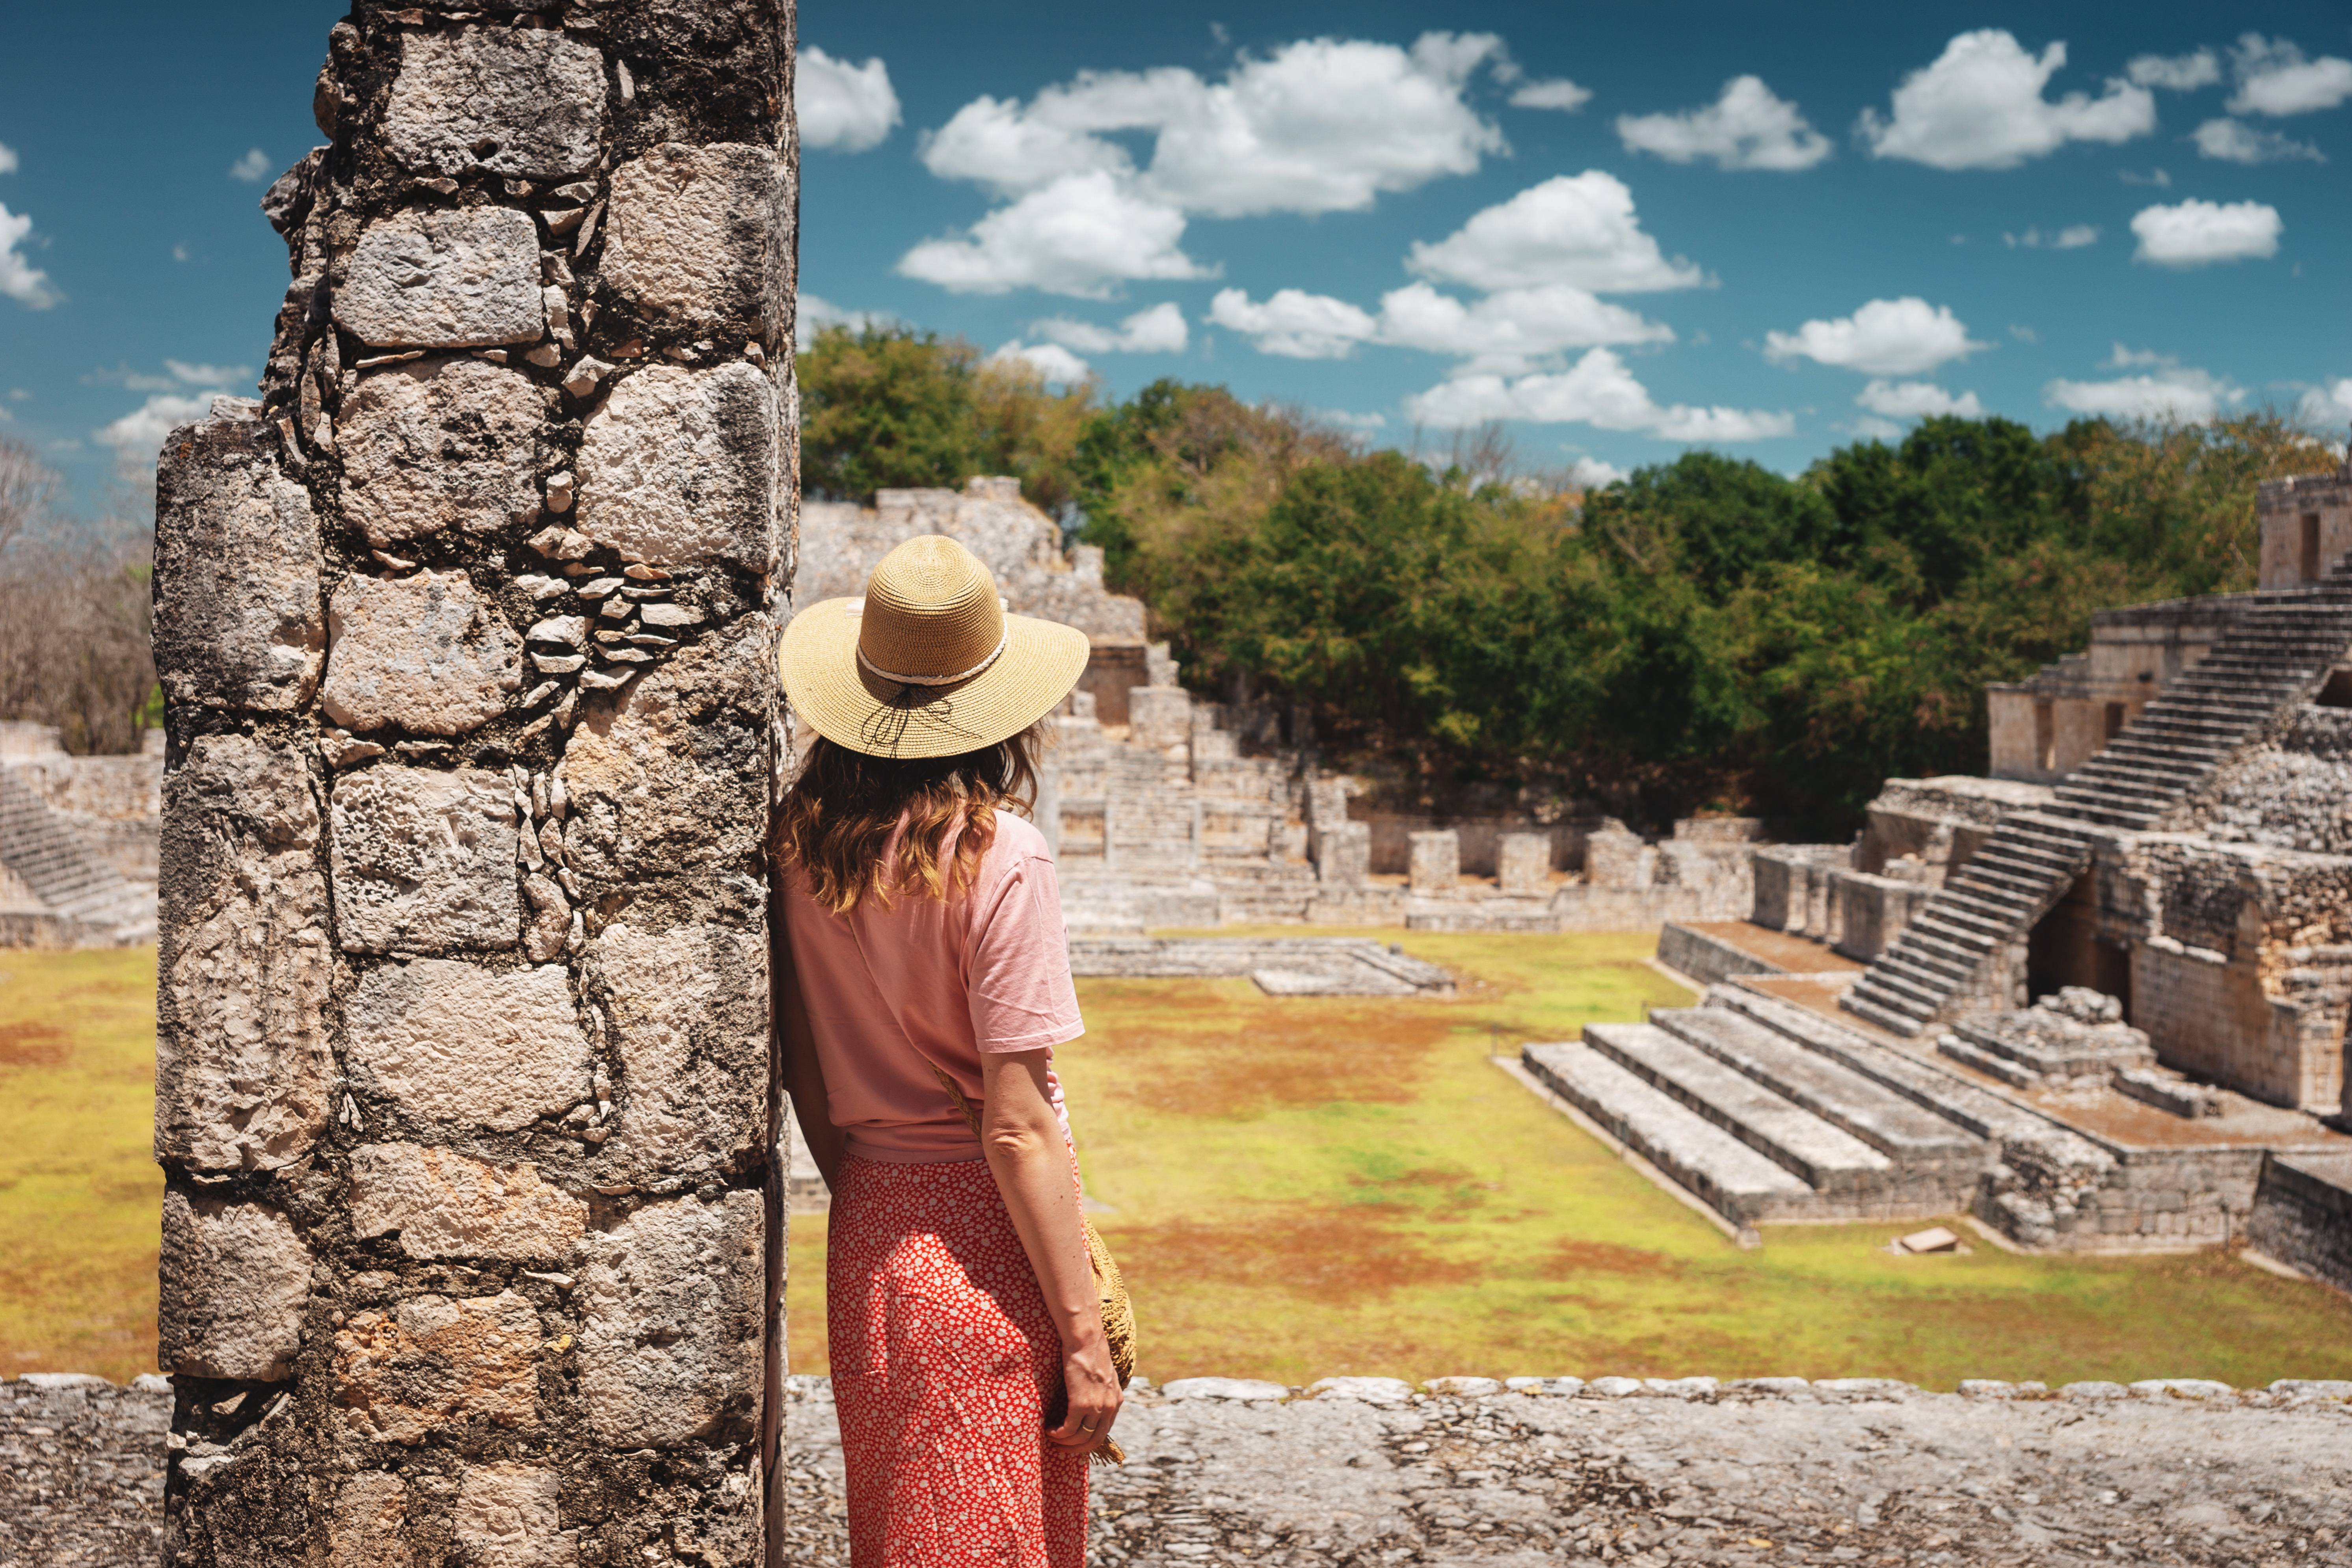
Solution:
(462, 1058)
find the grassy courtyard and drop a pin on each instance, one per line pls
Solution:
(1299, 1187)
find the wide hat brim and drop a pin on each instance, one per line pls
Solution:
(850, 705)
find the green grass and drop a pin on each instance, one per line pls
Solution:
(1306, 1186)
(79, 1187)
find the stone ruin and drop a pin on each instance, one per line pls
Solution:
(470, 1243)
(77, 839)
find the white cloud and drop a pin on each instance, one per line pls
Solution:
(2176, 73)
(1598, 390)
(845, 107)
(1340, 419)
(1745, 128)
(2330, 404)
(2195, 233)
(1294, 323)
(2165, 391)
(1507, 331)
(2235, 142)
(1877, 430)
(139, 435)
(208, 374)
(1051, 361)
(2073, 236)
(7, 159)
(1980, 106)
(1917, 400)
(254, 168)
(1080, 236)
(1575, 229)
(814, 313)
(1555, 92)
(2274, 78)
(19, 279)
(1592, 473)
(2156, 178)
(1159, 330)
(1884, 337)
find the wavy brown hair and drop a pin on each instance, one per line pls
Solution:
(844, 809)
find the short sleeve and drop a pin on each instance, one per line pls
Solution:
(1018, 969)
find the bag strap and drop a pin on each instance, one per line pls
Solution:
(963, 1105)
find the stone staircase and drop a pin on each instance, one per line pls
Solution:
(75, 886)
(2274, 654)
(1767, 1112)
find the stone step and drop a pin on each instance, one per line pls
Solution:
(1726, 1175)
(1866, 1006)
(2013, 1074)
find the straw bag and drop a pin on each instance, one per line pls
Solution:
(1111, 1290)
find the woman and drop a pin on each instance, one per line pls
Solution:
(970, 1368)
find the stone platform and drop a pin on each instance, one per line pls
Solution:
(1282, 966)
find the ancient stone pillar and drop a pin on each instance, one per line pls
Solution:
(470, 1240)
(1523, 865)
(1435, 869)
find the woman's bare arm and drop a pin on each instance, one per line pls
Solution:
(803, 1074)
(1022, 1141)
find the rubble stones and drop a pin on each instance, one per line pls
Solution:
(444, 1205)
(689, 1022)
(438, 443)
(671, 1311)
(464, 1046)
(448, 279)
(425, 861)
(238, 622)
(243, 1068)
(695, 238)
(435, 1363)
(508, 1516)
(423, 652)
(680, 465)
(233, 1277)
(522, 102)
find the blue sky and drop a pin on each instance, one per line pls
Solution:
(1622, 229)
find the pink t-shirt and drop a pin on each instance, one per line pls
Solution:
(891, 990)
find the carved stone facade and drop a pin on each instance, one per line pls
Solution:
(470, 1245)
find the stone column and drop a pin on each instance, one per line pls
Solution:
(1523, 865)
(1435, 869)
(464, 1092)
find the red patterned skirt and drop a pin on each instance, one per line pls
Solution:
(945, 1365)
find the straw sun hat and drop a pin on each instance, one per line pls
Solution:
(928, 664)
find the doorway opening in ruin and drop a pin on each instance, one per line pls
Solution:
(2310, 563)
(2064, 949)
(2115, 720)
(2045, 736)
(2337, 691)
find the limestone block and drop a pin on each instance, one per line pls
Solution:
(466, 1046)
(1614, 857)
(689, 1014)
(671, 1304)
(238, 622)
(1160, 716)
(671, 775)
(425, 861)
(440, 443)
(467, 278)
(1436, 865)
(435, 1362)
(233, 1277)
(1343, 853)
(423, 652)
(444, 1205)
(508, 1516)
(680, 466)
(365, 1532)
(526, 103)
(243, 1067)
(695, 238)
(1523, 865)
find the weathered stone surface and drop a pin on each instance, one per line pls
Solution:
(446, 1205)
(680, 465)
(465, 1047)
(233, 1277)
(365, 1529)
(690, 1014)
(440, 443)
(669, 777)
(243, 1068)
(506, 1518)
(82, 1482)
(422, 652)
(522, 102)
(695, 238)
(425, 861)
(670, 1305)
(238, 622)
(467, 278)
(435, 1362)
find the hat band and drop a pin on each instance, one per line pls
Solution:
(937, 679)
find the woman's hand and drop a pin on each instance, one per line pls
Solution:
(1094, 1394)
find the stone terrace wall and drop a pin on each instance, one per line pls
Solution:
(465, 634)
